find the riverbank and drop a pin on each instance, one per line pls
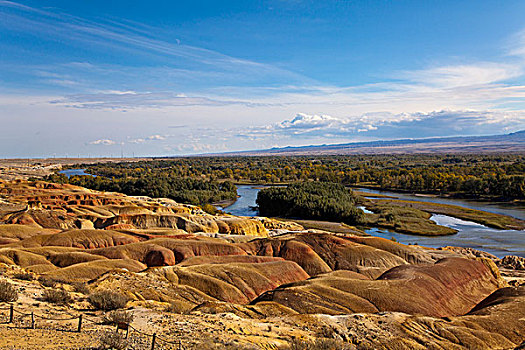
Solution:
(225, 203)
(492, 220)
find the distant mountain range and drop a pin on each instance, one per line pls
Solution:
(514, 142)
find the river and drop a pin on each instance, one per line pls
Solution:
(470, 234)
(73, 172)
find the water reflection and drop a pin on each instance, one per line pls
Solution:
(75, 172)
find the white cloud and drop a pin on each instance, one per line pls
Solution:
(413, 125)
(105, 142)
(156, 137)
(149, 138)
(304, 123)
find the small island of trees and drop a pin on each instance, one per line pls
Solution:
(311, 200)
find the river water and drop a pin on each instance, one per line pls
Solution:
(515, 210)
(470, 234)
(73, 172)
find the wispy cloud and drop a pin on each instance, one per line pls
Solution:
(123, 100)
(465, 75)
(127, 39)
(516, 45)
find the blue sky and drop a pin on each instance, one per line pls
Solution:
(97, 78)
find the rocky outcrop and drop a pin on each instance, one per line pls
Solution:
(67, 207)
(512, 262)
(470, 252)
(271, 224)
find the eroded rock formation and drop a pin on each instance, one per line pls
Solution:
(370, 292)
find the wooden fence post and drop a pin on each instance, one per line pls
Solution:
(153, 341)
(32, 320)
(79, 323)
(11, 313)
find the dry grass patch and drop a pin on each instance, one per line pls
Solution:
(24, 276)
(8, 292)
(57, 296)
(108, 300)
(113, 340)
(118, 316)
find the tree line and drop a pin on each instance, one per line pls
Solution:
(475, 176)
(158, 185)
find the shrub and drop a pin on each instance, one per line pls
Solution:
(81, 287)
(47, 282)
(108, 300)
(8, 292)
(24, 276)
(210, 209)
(119, 316)
(57, 296)
(113, 340)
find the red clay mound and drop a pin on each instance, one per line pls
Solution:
(449, 287)
(410, 254)
(321, 253)
(168, 251)
(240, 282)
(92, 269)
(86, 239)
(57, 219)
(201, 260)
(291, 250)
(15, 232)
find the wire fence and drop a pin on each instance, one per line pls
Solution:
(17, 318)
